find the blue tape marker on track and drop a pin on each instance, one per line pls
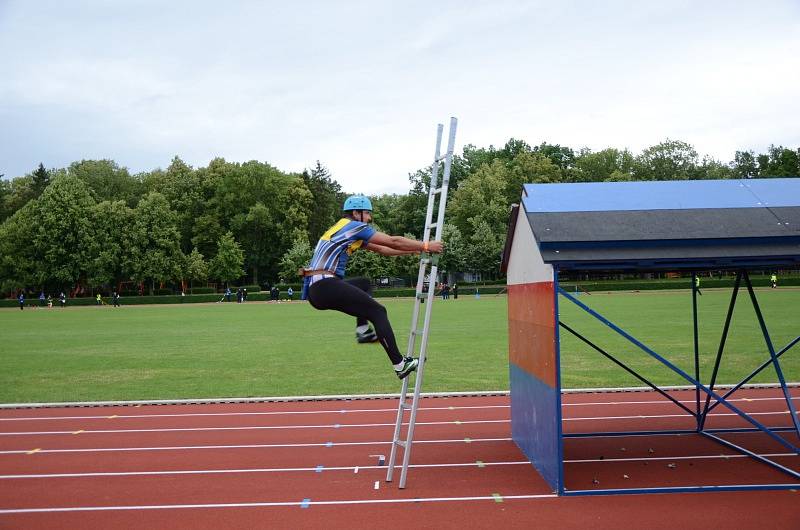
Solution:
(380, 461)
(305, 503)
(328, 444)
(319, 469)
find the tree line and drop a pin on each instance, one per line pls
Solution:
(96, 225)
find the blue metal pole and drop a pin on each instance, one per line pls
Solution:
(628, 369)
(722, 340)
(775, 362)
(678, 371)
(756, 372)
(696, 353)
(751, 454)
(560, 422)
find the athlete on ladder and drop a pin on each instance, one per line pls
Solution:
(325, 287)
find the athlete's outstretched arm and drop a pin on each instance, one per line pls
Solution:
(399, 245)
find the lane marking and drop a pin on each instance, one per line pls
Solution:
(317, 469)
(480, 463)
(265, 413)
(248, 428)
(393, 410)
(308, 502)
(112, 417)
(691, 457)
(497, 497)
(247, 446)
(367, 425)
(34, 451)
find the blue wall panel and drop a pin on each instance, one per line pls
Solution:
(534, 422)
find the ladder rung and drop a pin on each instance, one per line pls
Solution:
(407, 406)
(422, 296)
(401, 443)
(437, 190)
(433, 225)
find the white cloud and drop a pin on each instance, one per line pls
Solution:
(360, 86)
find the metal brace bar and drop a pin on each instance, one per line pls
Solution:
(626, 368)
(680, 372)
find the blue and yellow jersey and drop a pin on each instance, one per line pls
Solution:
(337, 245)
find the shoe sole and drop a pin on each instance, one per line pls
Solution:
(403, 375)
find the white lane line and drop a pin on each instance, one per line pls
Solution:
(340, 411)
(226, 414)
(248, 428)
(642, 416)
(355, 469)
(692, 457)
(265, 504)
(350, 425)
(246, 446)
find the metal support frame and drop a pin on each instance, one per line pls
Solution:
(701, 411)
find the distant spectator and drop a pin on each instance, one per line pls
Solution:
(455, 291)
(115, 298)
(697, 285)
(62, 299)
(289, 294)
(49, 302)
(42, 299)
(227, 294)
(21, 299)
(244, 295)
(445, 291)
(774, 280)
(99, 299)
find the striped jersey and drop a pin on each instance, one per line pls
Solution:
(337, 245)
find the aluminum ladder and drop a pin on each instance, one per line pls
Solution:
(426, 260)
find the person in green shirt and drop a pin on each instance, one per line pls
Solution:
(774, 280)
(697, 285)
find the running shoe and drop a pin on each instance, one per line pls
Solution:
(409, 365)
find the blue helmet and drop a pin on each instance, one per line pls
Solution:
(357, 202)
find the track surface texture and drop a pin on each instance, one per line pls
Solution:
(322, 464)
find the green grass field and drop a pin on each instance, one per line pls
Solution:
(261, 349)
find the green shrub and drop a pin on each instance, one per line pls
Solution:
(202, 290)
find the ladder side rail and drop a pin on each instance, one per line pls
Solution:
(417, 300)
(446, 178)
(433, 184)
(431, 295)
(417, 384)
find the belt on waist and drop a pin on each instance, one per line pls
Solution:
(313, 272)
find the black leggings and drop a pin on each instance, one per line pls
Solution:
(353, 296)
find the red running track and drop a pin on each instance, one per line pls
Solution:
(318, 465)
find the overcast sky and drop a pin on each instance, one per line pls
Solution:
(360, 86)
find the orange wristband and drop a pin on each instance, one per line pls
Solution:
(425, 246)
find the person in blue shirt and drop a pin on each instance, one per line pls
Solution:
(325, 287)
(21, 300)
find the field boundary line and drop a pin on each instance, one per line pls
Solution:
(353, 397)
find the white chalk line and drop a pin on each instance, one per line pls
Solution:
(670, 458)
(360, 425)
(304, 503)
(244, 446)
(315, 469)
(326, 469)
(248, 428)
(360, 411)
